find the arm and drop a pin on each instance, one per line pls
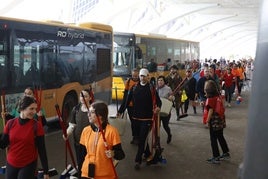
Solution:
(4, 140)
(69, 130)
(127, 99)
(83, 153)
(210, 112)
(72, 123)
(118, 152)
(40, 143)
(124, 101)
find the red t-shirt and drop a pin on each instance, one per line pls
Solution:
(228, 78)
(22, 148)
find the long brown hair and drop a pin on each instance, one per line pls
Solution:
(211, 89)
(101, 109)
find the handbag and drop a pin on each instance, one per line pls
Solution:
(217, 122)
(183, 96)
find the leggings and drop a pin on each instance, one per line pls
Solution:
(27, 171)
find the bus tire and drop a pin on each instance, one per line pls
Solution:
(70, 100)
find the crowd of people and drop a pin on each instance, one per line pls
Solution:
(97, 144)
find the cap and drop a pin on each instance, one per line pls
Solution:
(144, 72)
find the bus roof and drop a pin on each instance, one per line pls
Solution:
(87, 25)
(95, 25)
(159, 36)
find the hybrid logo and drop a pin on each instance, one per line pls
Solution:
(71, 35)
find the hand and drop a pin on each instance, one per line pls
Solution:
(39, 113)
(109, 153)
(202, 103)
(171, 98)
(157, 110)
(65, 138)
(118, 115)
(208, 125)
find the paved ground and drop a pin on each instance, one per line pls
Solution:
(186, 154)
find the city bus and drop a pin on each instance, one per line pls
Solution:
(136, 50)
(58, 58)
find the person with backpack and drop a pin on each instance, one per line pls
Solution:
(25, 138)
(214, 110)
(173, 80)
(146, 103)
(128, 85)
(78, 121)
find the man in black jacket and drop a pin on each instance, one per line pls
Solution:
(146, 103)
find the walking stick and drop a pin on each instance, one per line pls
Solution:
(103, 136)
(3, 105)
(62, 125)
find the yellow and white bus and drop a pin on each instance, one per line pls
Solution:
(60, 59)
(136, 50)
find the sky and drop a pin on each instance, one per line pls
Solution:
(36, 9)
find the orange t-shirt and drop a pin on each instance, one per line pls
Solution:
(128, 85)
(94, 144)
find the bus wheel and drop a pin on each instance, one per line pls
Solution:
(69, 102)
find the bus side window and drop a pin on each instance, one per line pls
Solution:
(32, 75)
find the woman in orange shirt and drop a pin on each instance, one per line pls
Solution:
(99, 150)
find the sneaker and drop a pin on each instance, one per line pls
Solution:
(229, 105)
(137, 166)
(214, 160)
(225, 156)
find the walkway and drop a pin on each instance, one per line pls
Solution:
(186, 154)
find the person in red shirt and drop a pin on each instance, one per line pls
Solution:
(229, 86)
(25, 138)
(216, 136)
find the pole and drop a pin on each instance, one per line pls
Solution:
(65, 135)
(255, 153)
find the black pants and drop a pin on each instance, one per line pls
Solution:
(79, 158)
(229, 93)
(143, 128)
(239, 85)
(27, 171)
(186, 106)
(216, 136)
(133, 129)
(165, 122)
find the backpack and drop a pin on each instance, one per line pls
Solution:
(217, 121)
(219, 107)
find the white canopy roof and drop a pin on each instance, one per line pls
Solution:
(224, 28)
